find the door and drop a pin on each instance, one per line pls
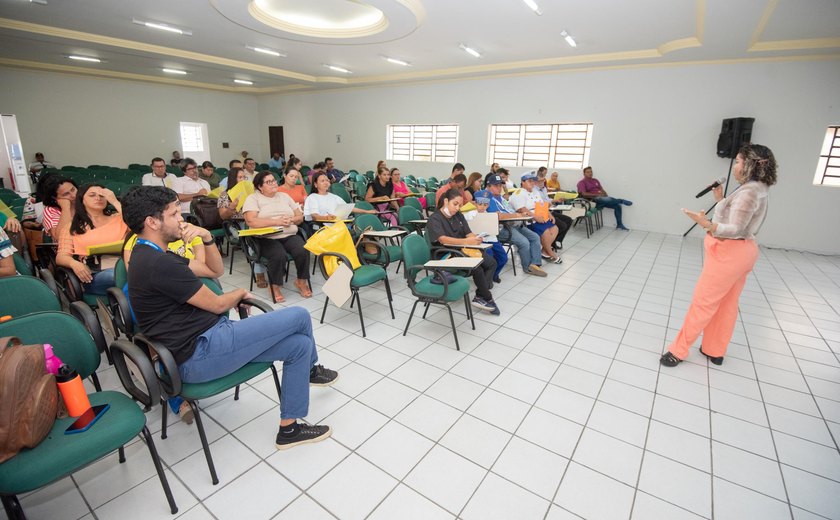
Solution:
(275, 140)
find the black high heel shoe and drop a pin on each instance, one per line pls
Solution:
(715, 360)
(669, 360)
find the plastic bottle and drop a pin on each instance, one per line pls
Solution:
(53, 362)
(72, 391)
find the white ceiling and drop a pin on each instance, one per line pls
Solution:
(426, 33)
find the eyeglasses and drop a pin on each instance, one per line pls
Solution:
(190, 168)
(270, 181)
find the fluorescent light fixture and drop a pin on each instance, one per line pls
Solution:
(175, 71)
(263, 50)
(571, 41)
(470, 51)
(162, 26)
(243, 82)
(39, 2)
(395, 61)
(338, 69)
(84, 58)
(533, 5)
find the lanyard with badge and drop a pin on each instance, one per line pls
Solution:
(149, 243)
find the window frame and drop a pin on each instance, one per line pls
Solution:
(829, 152)
(418, 147)
(546, 141)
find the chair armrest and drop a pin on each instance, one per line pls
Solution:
(120, 310)
(439, 252)
(411, 275)
(48, 278)
(259, 304)
(85, 314)
(170, 379)
(343, 259)
(121, 349)
(382, 251)
(67, 279)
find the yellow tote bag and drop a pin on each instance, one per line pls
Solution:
(333, 239)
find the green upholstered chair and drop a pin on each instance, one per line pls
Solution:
(340, 190)
(416, 253)
(60, 455)
(414, 203)
(406, 215)
(389, 252)
(365, 275)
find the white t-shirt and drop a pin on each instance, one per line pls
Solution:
(269, 207)
(185, 185)
(321, 204)
(150, 179)
(525, 199)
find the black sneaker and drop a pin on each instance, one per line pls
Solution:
(495, 311)
(306, 434)
(497, 280)
(320, 376)
(481, 303)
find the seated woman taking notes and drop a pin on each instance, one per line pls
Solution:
(449, 228)
(321, 204)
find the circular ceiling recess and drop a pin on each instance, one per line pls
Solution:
(321, 19)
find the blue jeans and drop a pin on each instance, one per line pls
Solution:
(614, 204)
(102, 281)
(499, 253)
(527, 244)
(282, 335)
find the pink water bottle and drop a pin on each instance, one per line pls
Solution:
(53, 362)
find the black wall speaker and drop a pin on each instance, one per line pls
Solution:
(734, 132)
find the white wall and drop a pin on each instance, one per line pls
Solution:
(80, 121)
(654, 140)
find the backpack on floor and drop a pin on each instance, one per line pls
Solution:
(28, 397)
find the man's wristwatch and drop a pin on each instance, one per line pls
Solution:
(208, 243)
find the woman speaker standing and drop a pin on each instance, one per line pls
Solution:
(730, 254)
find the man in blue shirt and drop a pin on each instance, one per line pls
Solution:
(276, 161)
(526, 241)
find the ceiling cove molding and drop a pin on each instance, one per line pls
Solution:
(158, 49)
(257, 13)
(785, 45)
(308, 88)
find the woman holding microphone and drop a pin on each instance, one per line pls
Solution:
(730, 254)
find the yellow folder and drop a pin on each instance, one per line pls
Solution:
(241, 190)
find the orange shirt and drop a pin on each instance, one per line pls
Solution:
(443, 189)
(298, 193)
(114, 231)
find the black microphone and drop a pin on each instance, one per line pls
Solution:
(710, 187)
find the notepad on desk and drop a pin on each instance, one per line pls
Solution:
(255, 232)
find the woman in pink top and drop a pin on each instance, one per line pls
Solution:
(401, 189)
(730, 254)
(94, 223)
(290, 187)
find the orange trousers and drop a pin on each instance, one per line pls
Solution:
(714, 307)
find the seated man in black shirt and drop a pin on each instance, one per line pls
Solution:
(173, 307)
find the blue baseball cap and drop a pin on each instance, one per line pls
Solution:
(530, 176)
(495, 179)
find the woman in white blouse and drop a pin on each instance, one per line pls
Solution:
(268, 207)
(321, 203)
(730, 254)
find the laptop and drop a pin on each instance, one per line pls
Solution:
(343, 211)
(487, 223)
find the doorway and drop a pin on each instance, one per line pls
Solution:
(275, 140)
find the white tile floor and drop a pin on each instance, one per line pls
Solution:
(556, 409)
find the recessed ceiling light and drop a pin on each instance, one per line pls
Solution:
(470, 51)
(338, 69)
(175, 71)
(533, 5)
(571, 41)
(263, 50)
(163, 27)
(243, 82)
(84, 58)
(395, 61)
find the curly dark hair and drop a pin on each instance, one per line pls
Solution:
(145, 201)
(759, 164)
(48, 188)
